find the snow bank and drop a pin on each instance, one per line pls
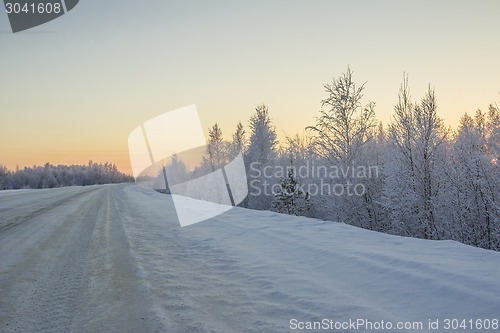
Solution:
(253, 271)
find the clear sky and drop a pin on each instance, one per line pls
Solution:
(72, 90)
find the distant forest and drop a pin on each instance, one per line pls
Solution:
(50, 176)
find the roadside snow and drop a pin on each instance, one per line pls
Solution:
(251, 271)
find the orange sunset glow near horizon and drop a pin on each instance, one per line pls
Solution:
(73, 89)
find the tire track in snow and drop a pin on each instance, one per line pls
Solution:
(56, 270)
(74, 273)
(16, 217)
(116, 299)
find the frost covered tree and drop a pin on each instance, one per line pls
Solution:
(296, 154)
(289, 198)
(373, 214)
(263, 139)
(260, 154)
(493, 129)
(216, 148)
(340, 137)
(415, 174)
(429, 137)
(400, 189)
(239, 141)
(5, 178)
(343, 126)
(475, 180)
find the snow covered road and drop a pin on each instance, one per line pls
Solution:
(113, 259)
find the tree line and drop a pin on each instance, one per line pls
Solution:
(432, 182)
(50, 176)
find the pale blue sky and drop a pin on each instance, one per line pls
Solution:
(73, 89)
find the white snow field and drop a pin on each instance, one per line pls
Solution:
(113, 259)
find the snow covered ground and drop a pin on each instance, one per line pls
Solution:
(114, 259)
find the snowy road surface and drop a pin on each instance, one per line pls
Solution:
(114, 259)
